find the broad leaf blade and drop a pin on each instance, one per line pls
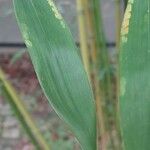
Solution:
(135, 76)
(58, 66)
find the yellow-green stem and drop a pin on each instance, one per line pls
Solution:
(83, 35)
(93, 49)
(22, 114)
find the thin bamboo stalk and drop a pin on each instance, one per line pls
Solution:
(83, 36)
(22, 114)
(102, 54)
(102, 63)
(105, 84)
(87, 29)
(93, 49)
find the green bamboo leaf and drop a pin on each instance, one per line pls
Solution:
(58, 67)
(135, 76)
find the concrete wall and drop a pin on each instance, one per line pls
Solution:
(9, 30)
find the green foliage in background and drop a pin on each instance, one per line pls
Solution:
(58, 67)
(135, 76)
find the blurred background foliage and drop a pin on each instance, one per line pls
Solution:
(97, 32)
